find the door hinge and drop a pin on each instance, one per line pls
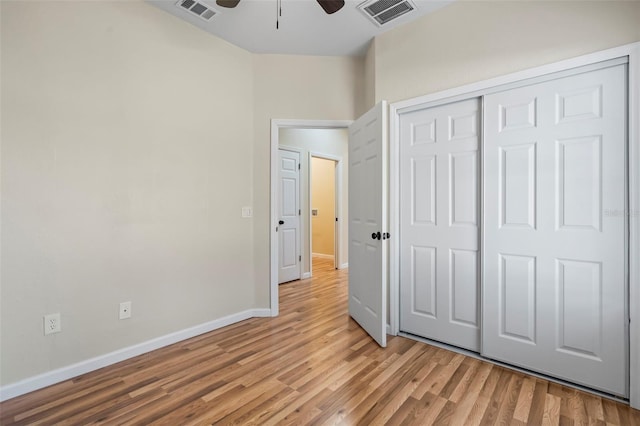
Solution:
(299, 212)
(299, 258)
(298, 166)
(336, 219)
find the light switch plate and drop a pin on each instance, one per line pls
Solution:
(125, 310)
(247, 212)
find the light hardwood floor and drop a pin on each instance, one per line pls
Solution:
(310, 365)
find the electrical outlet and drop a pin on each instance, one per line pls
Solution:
(52, 324)
(125, 310)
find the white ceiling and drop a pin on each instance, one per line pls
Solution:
(304, 29)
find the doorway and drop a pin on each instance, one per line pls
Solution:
(324, 205)
(290, 133)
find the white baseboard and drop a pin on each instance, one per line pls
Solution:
(305, 275)
(344, 265)
(322, 256)
(65, 373)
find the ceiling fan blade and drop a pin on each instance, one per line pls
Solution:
(227, 3)
(330, 6)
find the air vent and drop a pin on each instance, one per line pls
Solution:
(382, 11)
(197, 9)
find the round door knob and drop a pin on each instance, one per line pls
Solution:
(375, 235)
(281, 222)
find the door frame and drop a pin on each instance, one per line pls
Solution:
(337, 192)
(276, 125)
(481, 88)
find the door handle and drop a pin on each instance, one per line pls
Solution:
(375, 235)
(281, 222)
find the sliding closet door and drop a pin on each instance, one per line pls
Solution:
(439, 261)
(554, 240)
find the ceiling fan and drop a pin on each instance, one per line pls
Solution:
(329, 6)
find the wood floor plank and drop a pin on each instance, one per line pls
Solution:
(523, 405)
(310, 365)
(497, 398)
(508, 405)
(429, 409)
(336, 406)
(594, 408)
(25, 411)
(401, 415)
(462, 385)
(483, 398)
(269, 408)
(398, 400)
(577, 410)
(454, 380)
(386, 406)
(551, 416)
(536, 411)
(466, 404)
(610, 412)
(301, 411)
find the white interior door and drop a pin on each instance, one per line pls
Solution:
(368, 222)
(554, 240)
(289, 216)
(439, 223)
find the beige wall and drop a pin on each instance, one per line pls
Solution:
(330, 142)
(130, 142)
(369, 78)
(293, 87)
(126, 143)
(323, 200)
(470, 41)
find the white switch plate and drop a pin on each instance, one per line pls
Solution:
(125, 310)
(247, 212)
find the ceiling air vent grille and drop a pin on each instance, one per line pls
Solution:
(197, 9)
(383, 11)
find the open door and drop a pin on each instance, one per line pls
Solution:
(368, 222)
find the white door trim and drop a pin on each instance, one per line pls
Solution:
(276, 125)
(338, 204)
(632, 51)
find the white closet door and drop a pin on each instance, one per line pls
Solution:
(554, 236)
(439, 262)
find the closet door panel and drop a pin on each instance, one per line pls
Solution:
(554, 260)
(439, 262)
